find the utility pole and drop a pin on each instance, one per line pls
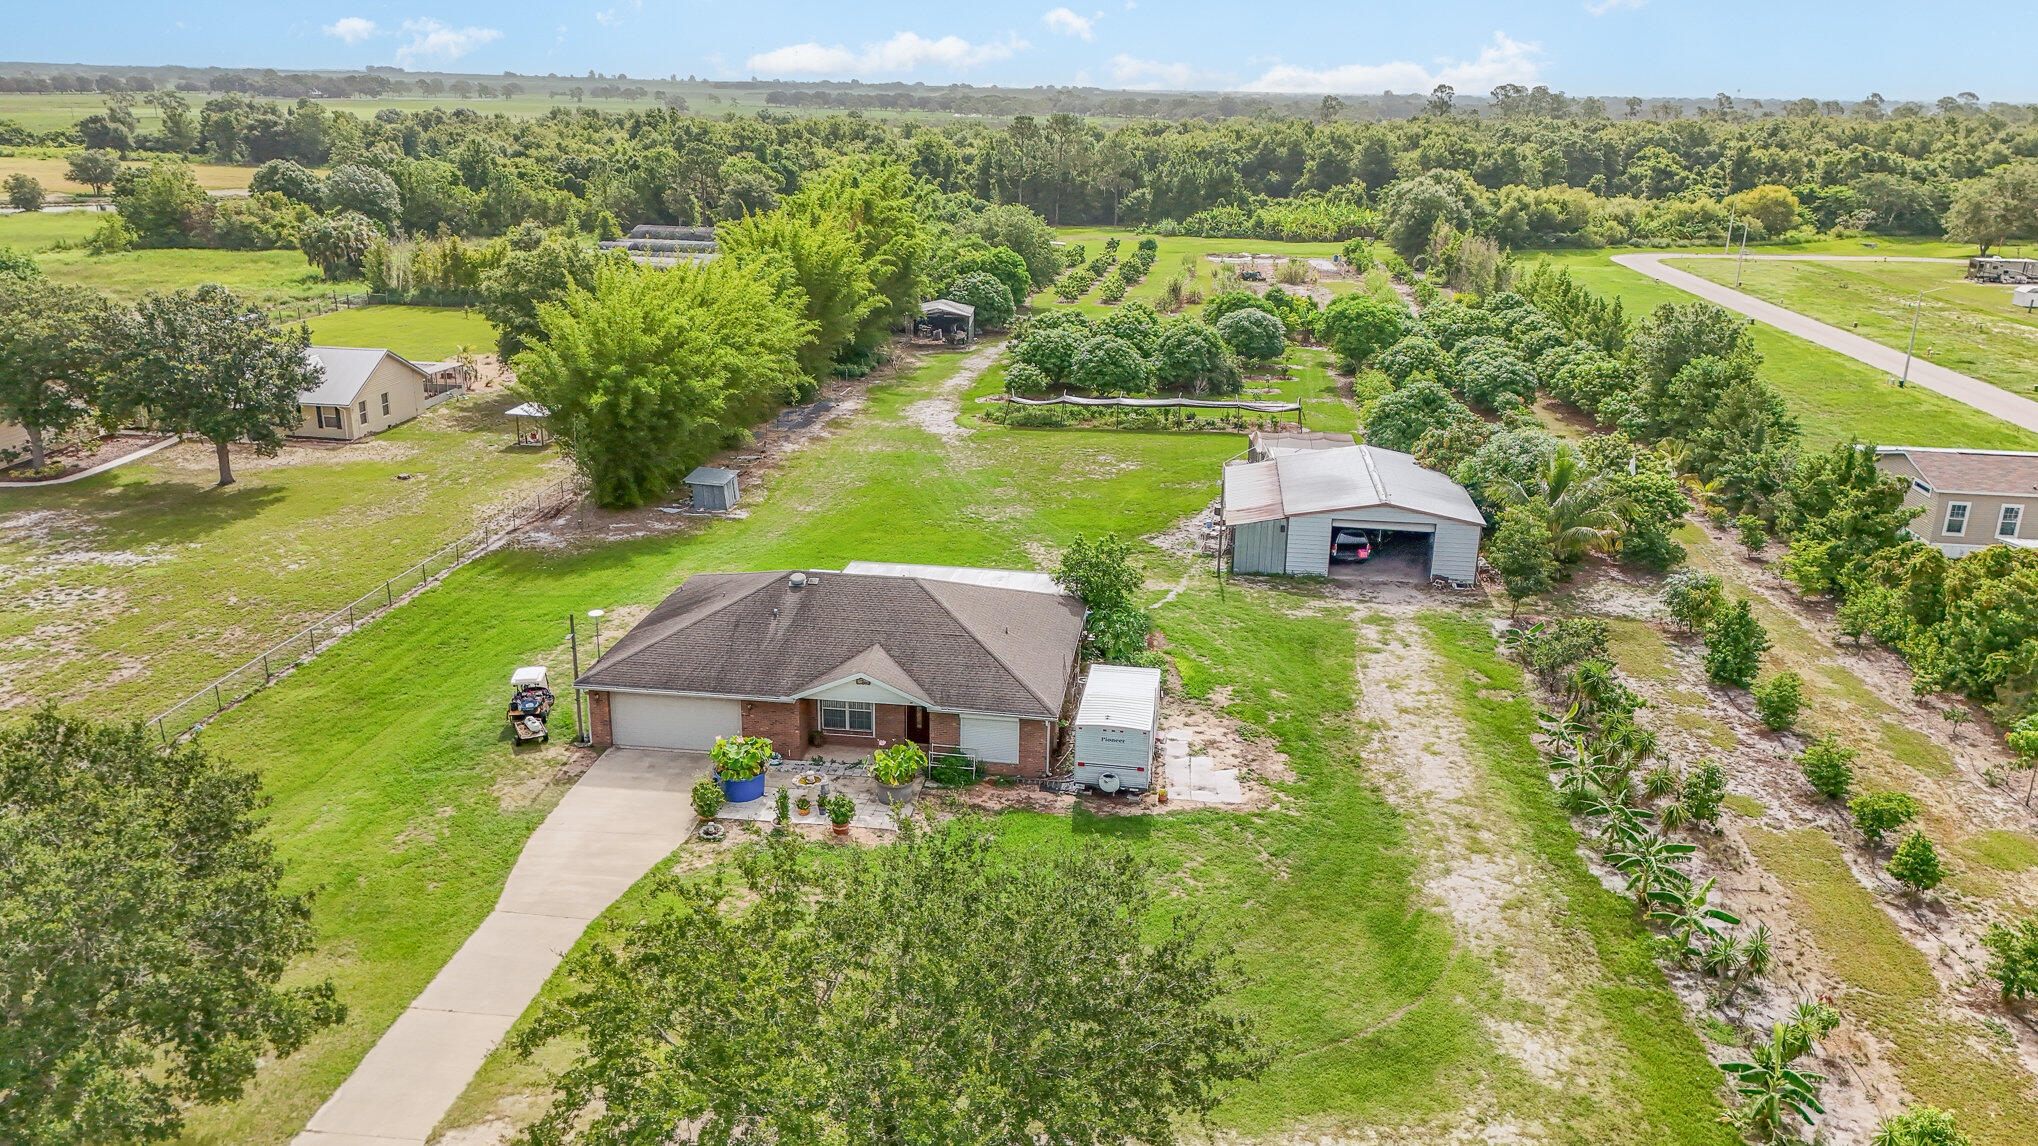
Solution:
(1916, 307)
(579, 717)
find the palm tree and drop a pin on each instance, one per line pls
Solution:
(1580, 513)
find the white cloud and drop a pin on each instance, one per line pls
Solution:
(610, 17)
(352, 29)
(1602, 7)
(430, 38)
(1130, 72)
(1063, 22)
(904, 52)
(1504, 61)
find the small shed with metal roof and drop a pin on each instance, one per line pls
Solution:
(1281, 513)
(951, 320)
(713, 488)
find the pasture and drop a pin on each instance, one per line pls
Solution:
(419, 333)
(38, 230)
(1966, 326)
(266, 277)
(48, 166)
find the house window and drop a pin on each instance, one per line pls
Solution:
(855, 717)
(364, 409)
(385, 405)
(1956, 519)
(2013, 516)
(328, 417)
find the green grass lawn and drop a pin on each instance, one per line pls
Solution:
(135, 588)
(1833, 396)
(406, 814)
(419, 333)
(267, 277)
(33, 231)
(1965, 326)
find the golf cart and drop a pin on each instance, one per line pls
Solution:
(1350, 545)
(530, 704)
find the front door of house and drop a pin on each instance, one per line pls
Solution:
(918, 726)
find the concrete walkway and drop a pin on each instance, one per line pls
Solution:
(625, 815)
(1991, 400)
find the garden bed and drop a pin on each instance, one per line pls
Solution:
(77, 457)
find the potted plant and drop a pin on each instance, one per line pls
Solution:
(897, 772)
(708, 799)
(739, 766)
(804, 804)
(841, 809)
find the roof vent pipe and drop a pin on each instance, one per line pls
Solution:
(797, 580)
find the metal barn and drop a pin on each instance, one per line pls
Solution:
(713, 489)
(1281, 513)
(1116, 727)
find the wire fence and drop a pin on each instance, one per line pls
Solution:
(198, 709)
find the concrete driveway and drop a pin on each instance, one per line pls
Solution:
(630, 810)
(1991, 400)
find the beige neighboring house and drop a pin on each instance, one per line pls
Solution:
(1972, 498)
(365, 390)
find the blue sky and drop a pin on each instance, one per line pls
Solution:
(1766, 49)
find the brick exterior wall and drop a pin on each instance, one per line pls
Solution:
(598, 728)
(785, 725)
(944, 729)
(890, 721)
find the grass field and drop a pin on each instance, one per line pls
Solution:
(134, 588)
(50, 172)
(1965, 326)
(1168, 261)
(1833, 396)
(266, 277)
(419, 333)
(33, 231)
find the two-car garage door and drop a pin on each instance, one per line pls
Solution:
(641, 720)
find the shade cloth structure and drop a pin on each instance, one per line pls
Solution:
(1161, 403)
(538, 436)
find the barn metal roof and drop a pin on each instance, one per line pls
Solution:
(1328, 481)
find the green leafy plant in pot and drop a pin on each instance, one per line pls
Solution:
(739, 765)
(708, 799)
(897, 772)
(841, 809)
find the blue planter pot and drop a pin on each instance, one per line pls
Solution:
(743, 791)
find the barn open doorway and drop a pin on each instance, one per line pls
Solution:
(1371, 553)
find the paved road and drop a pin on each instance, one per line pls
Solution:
(1992, 400)
(625, 815)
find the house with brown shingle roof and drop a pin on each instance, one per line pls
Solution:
(976, 661)
(1972, 498)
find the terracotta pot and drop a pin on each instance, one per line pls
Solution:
(841, 829)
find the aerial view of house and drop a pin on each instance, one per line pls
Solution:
(363, 390)
(1972, 499)
(843, 664)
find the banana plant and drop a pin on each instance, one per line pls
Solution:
(1768, 1086)
(1687, 913)
(1649, 863)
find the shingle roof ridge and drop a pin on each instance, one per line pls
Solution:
(926, 586)
(684, 618)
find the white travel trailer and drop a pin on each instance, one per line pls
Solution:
(1117, 725)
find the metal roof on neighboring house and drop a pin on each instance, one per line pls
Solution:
(345, 370)
(948, 306)
(1353, 477)
(998, 578)
(949, 645)
(2010, 473)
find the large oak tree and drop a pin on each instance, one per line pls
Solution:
(53, 355)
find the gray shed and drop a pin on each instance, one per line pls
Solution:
(948, 318)
(713, 488)
(1282, 513)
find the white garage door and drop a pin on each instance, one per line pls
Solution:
(994, 739)
(691, 722)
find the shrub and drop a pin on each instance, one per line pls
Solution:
(1551, 648)
(1253, 334)
(1919, 1126)
(110, 237)
(740, 757)
(1415, 354)
(1734, 644)
(1694, 598)
(991, 298)
(1879, 812)
(952, 770)
(1779, 700)
(840, 808)
(1704, 790)
(1026, 378)
(898, 764)
(1358, 326)
(1829, 766)
(1106, 364)
(1754, 535)
(1916, 864)
(24, 192)
(707, 799)
(2013, 957)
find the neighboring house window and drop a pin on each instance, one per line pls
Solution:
(328, 417)
(1956, 519)
(385, 405)
(2013, 516)
(852, 716)
(364, 409)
